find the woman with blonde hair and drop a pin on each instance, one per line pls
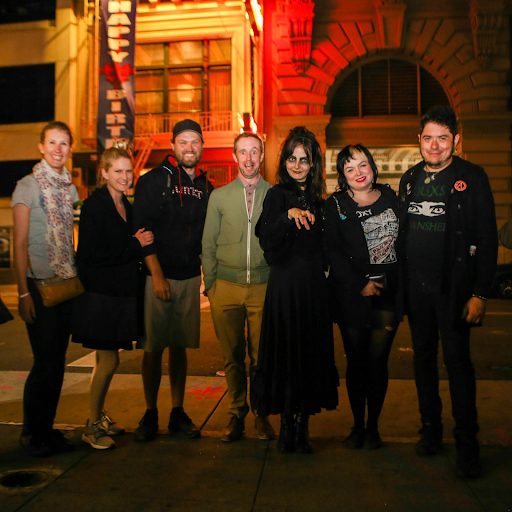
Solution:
(105, 317)
(42, 205)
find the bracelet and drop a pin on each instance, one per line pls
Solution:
(23, 295)
(479, 297)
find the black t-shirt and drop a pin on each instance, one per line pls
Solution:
(427, 228)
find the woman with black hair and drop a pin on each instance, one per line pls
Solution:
(360, 235)
(296, 375)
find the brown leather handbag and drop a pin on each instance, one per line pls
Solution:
(56, 290)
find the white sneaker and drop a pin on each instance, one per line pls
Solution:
(95, 435)
(111, 427)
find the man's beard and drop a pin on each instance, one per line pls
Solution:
(437, 165)
(187, 164)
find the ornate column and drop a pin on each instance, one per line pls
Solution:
(487, 18)
(300, 16)
(390, 21)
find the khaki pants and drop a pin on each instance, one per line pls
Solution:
(235, 306)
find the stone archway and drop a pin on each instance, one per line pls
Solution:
(438, 45)
(443, 43)
(302, 98)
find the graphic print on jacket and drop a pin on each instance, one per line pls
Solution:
(173, 204)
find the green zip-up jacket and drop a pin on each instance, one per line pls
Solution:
(230, 249)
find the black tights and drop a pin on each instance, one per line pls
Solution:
(367, 351)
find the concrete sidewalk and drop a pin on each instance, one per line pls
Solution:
(174, 473)
(178, 474)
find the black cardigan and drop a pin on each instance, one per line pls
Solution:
(348, 258)
(277, 234)
(471, 245)
(108, 255)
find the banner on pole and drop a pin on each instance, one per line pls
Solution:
(116, 102)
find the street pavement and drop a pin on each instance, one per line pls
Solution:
(175, 473)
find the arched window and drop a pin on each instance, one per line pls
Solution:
(387, 87)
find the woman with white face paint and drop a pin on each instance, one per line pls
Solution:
(295, 376)
(361, 234)
(105, 317)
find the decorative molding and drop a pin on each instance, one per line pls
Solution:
(300, 14)
(390, 21)
(486, 21)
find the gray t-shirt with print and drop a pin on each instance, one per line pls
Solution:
(27, 193)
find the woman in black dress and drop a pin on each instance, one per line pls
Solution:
(296, 375)
(361, 232)
(108, 255)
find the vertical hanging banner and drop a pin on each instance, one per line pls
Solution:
(116, 102)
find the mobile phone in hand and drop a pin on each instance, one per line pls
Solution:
(379, 278)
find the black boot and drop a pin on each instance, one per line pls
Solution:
(431, 440)
(468, 456)
(286, 441)
(302, 434)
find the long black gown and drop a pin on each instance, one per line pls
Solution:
(296, 370)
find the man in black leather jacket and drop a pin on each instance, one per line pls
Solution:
(449, 251)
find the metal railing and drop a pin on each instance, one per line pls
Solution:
(220, 174)
(142, 148)
(151, 124)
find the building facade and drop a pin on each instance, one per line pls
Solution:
(351, 71)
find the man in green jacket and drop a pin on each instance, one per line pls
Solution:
(235, 277)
